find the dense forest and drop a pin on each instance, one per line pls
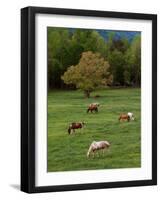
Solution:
(123, 54)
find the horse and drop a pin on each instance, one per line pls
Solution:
(93, 107)
(94, 104)
(124, 117)
(131, 116)
(97, 146)
(75, 125)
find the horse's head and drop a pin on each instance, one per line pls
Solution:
(83, 124)
(132, 118)
(69, 130)
(88, 154)
(70, 127)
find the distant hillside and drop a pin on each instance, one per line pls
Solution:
(118, 34)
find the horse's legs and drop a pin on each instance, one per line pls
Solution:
(93, 154)
(106, 150)
(81, 129)
(103, 152)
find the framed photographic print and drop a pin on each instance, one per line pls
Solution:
(88, 99)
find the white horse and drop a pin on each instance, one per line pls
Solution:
(131, 116)
(96, 146)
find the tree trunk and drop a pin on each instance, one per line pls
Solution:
(86, 93)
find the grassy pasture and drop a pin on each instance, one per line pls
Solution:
(68, 152)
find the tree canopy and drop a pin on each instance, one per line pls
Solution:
(91, 72)
(66, 46)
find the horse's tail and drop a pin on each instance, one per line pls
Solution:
(87, 110)
(69, 130)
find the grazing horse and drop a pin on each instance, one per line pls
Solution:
(124, 117)
(94, 104)
(92, 108)
(97, 146)
(75, 125)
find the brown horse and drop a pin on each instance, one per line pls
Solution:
(92, 107)
(95, 104)
(124, 117)
(75, 125)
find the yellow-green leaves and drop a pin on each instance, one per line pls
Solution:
(92, 71)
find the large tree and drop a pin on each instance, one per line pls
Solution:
(91, 72)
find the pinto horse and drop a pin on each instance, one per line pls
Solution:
(92, 107)
(75, 125)
(97, 146)
(124, 117)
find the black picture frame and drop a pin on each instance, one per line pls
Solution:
(28, 98)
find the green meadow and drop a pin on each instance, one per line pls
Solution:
(68, 152)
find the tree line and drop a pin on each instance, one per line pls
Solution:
(66, 48)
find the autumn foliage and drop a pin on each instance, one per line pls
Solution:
(91, 72)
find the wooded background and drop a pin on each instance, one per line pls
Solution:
(121, 49)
